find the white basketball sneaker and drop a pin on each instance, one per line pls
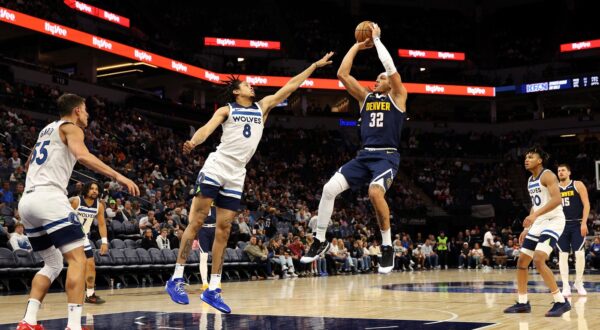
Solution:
(580, 289)
(566, 291)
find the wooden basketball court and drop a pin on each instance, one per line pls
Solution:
(442, 299)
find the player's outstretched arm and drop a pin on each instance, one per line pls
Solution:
(74, 139)
(398, 92)
(205, 131)
(352, 86)
(269, 102)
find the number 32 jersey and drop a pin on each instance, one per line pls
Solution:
(241, 132)
(540, 196)
(51, 161)
(381, 122)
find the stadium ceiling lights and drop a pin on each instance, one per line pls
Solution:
(568, 135)
(124, 65)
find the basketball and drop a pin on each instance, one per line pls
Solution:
(363, 31)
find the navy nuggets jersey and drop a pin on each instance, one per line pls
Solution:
(571, 201)
(381, 122)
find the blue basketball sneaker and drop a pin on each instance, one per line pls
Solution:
(519, 308)
(559, 309)
(175, 289)
(213, 298)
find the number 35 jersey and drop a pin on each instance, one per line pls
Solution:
(51, 161)
(241, 132)
(381, 122)
(540, 196)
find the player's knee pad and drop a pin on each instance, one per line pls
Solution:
(53, 263)
(335, 186)
(579, 255)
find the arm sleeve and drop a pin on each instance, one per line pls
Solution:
(385, 57)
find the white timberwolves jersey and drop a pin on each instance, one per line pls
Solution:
(87, 214)
(540, 196)
(51, 161)
(241, 132)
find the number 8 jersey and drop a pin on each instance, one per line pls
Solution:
(241, 132)
(540, 196)
(381, 122)
(51, 161)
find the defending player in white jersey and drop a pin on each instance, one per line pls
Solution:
(222, 178)
(543, 227)
(89, 208)
(50, 221)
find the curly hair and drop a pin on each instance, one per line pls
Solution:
(88, 186)
(232, 83)
(540, 152)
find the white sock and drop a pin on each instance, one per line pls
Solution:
(204, 268)
(335, 186)
(179, 268)
(563, 265)
(74, 322)
(215, 281)
(579, 266)
(558, 297)
(33, 305)
(89, 292)
(523, 298)
(386, 237)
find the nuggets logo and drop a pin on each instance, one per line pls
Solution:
(567, 193)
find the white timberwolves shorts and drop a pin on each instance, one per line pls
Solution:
(222, 179)
(544, 234)
(50, 220)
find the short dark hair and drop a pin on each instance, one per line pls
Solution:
(232, 83)
(538, 150)
(67, 102)
(88, 186)
(566, 166)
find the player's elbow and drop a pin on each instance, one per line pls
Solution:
(342, 75)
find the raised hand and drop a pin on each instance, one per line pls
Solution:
(324, 61)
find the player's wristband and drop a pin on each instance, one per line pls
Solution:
(104, 240)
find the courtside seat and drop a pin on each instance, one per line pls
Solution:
(117, 244)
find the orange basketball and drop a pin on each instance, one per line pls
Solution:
(363, 31)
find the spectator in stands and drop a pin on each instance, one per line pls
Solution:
(431, 258)
(126, 214)
(146, 222)
(476, 255)
(419, 257)
(498, 253)
(112, 210)
(402, 262)
(511, 253)
(17, 175)
(282, 256)
(15, 161)
(156, 174)
(6, 195)
(175, 238)
(366, 258)
(297, 249)
(259, 254)
(374, 252)
(244, 229)
(162, 241)
(594, 254)
(463, 258)
(148, 240)
(180, 218)
(18, 240)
